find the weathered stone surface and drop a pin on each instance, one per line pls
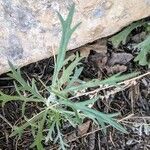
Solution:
(30, 29)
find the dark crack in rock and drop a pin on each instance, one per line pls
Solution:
(14, 51)
(20, 17)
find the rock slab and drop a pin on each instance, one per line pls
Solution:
(30, 29)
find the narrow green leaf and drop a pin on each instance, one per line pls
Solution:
(144, 48)
(75, 77)
(122, 36)
(113, 80)
(66, 35)
(87, 102)
(39, 137)
(27, 124)
(69, 71)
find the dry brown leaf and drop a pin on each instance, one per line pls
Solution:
(83, 128)
(120, 58)
(115, 69)
(84, 51)
(100, 46)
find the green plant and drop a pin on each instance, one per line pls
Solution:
(121, 37)
(143, 56)
(144, 46)
(57, 107)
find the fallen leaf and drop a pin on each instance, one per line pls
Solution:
(83, 128)
(84, 51)
(115, 69)
(100, 46)
(120, 58)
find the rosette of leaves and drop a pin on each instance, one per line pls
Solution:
(57, 107)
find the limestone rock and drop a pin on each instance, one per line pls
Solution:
(30, 29)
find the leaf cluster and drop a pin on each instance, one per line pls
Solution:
(143, 57)
(57, 108)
